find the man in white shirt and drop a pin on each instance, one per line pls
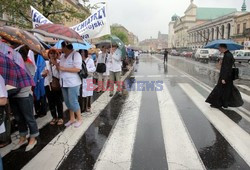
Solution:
(115, 69)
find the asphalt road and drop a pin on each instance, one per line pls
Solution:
(163, 123)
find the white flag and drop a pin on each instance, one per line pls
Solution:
(38, 18)
(94, 26)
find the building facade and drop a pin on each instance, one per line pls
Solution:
(171, 35)
(242, 29)
(193, 16)
(219, 28)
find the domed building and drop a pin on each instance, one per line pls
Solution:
(193, 16)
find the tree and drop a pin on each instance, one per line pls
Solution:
(54, 10)
(117, 32)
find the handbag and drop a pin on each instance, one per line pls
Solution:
(55, 84)
(101, 68)
(235, 73)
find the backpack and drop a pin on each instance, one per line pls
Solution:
(83, 73)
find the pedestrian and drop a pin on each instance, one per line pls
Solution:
(115, 69)
(22, 108)
(101, 68)
(3, 102)
(69, 66)
(225, 94)
(165, 56)
(87, 84)
(53, 88)
(131, 56)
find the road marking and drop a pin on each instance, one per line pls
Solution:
(235, 135)
(180, 150)
(241, 110)
(117, 151)
(54, 153)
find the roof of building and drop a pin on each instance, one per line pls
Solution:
(212, 13)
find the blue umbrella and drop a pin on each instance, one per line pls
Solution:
(231, 45)
(76, 46)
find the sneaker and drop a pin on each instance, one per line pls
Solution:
(30, 147)
(69, 123)
(77, 124)
(17, 146)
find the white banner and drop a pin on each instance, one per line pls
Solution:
(94, 26)
(38, 18)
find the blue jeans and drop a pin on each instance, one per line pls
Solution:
(70, 95)
(1, 163)
(23, 113)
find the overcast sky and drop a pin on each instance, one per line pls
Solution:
(146, 17)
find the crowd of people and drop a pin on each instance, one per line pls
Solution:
(58, 81)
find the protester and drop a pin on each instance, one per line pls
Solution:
(131, 56)
(225, 94)
(3, 102)
(69, 66)
(22, 108)
(115, 69)
(101, 68)
(165, 56)
(40, 102)
(87, 84)
(53, 88)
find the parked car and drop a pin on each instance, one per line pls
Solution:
(242, 56)
(189, 54)
(214, 55)
(202, 55)
(183, 53)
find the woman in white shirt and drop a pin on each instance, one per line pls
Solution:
(87, 84)
(53, 89)
(70, 65)
(101, 68)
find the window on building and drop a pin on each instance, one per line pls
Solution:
(217, 33)
(212, 33)
(222, 31)
(228, 31)
(244, 27)
(238, 29)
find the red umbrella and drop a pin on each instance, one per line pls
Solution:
(59, 31)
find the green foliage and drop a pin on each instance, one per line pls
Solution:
(117, 32)
(19, 11)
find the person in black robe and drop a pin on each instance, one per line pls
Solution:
(225, 94)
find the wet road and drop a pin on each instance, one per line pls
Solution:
(163, 123)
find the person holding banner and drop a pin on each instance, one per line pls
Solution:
(115, 69)
(69, 66)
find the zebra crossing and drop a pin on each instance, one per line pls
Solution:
(194, 136)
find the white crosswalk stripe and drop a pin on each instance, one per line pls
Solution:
(117, 152)
(180, 150)
(236, 136)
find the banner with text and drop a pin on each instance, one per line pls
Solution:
(94, 26)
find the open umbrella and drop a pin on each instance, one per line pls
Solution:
(13, 74)
(20, 36)
(231, 45)
(104, 43)
(121, 46)
(58, 31)
(12, 54)
(76, 46)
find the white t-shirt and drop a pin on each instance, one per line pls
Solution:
(3, 90)
(67, 79)
(115, 61)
